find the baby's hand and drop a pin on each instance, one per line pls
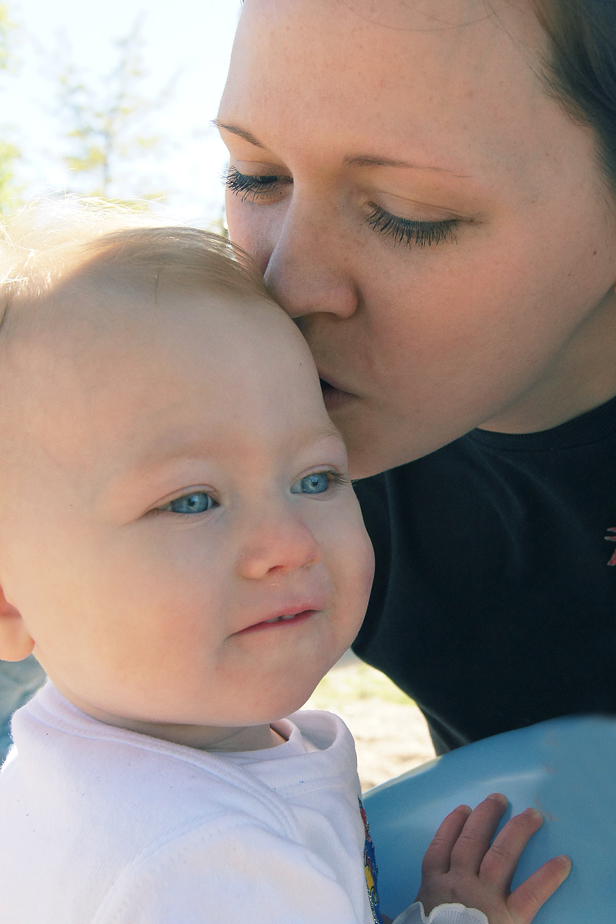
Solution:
(461, 866)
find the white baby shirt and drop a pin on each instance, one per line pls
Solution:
(100, 825)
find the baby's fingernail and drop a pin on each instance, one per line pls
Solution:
(565, 860)
(499, 797)
(532, 811)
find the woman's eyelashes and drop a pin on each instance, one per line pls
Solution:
(399, 230)
(249, 187)
(412, 233)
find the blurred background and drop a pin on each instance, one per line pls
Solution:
(116, 100)
(391, 734)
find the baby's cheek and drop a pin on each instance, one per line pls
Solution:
(363, 552)
(369, 566)
(359, 562)
(347, 554)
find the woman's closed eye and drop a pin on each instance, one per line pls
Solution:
(191, 503)
(253, 188)
(407, 231)
(318, 482)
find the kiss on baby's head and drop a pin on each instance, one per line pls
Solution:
(179, 542)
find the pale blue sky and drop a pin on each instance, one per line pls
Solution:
(192, 37)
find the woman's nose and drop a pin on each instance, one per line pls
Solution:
(308, 270)
(277, 544)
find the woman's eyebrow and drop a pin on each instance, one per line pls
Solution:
(235, 130)
(369, 160)
(357, 160)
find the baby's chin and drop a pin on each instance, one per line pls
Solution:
(196, 715)
(272, 710)
(279, 704)
(197, 727)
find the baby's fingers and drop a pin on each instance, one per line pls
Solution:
(527, 899)
(474, 841)
(437, 857)
(500, 862)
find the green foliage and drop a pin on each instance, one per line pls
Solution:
(219, 226)
(105, 119)
(358, 681)
(9, 152)
(6, 27)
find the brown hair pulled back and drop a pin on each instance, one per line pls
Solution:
(581, 70)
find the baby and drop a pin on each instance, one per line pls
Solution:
(181, 548)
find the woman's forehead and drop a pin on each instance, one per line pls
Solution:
(304, 31)
(452, 76)
(420, 14)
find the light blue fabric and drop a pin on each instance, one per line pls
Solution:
(566, 767)
(19, 681)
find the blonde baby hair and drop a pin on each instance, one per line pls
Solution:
(53, 241)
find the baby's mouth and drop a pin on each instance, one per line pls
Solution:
(290, 619)
(280, 618)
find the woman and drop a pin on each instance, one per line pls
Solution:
(429, 187)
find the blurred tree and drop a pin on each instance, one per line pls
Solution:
(107, 122)
(219, 226)
(9, 152)
(9, 191)
(5, 28)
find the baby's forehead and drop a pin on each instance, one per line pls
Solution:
(113, 359)
(102, 307)
(84, 276)
(101, 373)
(152, 332)
(67, 329)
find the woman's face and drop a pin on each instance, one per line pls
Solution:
(435, 222)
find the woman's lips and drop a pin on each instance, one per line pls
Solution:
(333, 396)
(279, 622)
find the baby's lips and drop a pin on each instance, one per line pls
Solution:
(288, 610)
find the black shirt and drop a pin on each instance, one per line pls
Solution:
(494, 602)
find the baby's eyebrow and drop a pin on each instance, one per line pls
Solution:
(328, 433)
(331, 430)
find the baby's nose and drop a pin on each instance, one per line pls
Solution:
(278, 546)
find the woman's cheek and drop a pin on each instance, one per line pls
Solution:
(255, 228)
(247, 231)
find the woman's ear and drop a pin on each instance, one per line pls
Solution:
(15, 642)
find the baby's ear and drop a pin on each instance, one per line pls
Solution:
(15, 642)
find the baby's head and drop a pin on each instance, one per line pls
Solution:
(179, 542)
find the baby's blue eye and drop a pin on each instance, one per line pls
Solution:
(196, 502)
(316, 483)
